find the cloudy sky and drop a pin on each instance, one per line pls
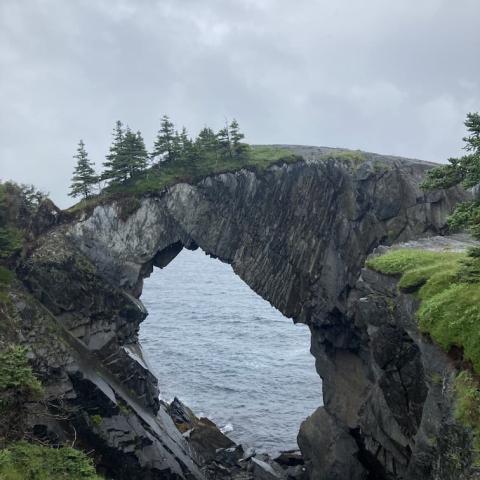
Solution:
(383, 76)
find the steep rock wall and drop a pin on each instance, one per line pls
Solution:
(298, 235)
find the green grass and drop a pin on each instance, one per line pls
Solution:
(26, 461)
(158, 178)
(450, 295)
(353, 158)
(448, 286)
(467, 407)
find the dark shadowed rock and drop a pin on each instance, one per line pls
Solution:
(298, 235)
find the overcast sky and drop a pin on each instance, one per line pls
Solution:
(386, 76)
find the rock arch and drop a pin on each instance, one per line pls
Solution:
(297, 234)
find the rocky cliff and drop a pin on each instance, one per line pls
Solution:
(298, 235)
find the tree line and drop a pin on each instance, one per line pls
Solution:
(463, 171)
(128, 156)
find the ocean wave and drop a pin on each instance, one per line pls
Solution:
(227, 428)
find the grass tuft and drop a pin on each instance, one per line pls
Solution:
(448, 285)
(449, 289)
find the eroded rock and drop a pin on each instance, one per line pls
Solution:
(298, 235)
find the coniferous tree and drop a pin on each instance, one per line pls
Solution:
(84, 177)
(115, 170)
(465, 171)
(223, 140)
(184, 139)
(207, 140)
(189, 151)
(166, 143)
(141, 154)
(176, 147)
(133, 154)
(236, 137)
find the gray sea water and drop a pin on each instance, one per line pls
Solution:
(227, 353)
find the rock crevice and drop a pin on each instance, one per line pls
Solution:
(298, 235)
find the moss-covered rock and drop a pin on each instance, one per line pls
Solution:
(450, 295)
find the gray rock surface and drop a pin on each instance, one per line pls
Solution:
(298, 235)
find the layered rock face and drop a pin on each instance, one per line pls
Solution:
(389, 391)
(298, 235)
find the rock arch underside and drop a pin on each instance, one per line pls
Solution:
(298, 234)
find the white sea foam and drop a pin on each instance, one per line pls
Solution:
(227, 428)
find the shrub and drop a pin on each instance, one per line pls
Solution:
(10, 241)
(18, 386)
(26, 461)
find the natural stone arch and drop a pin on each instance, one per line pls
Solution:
(297, 235)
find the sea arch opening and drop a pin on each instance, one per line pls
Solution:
(226, 352)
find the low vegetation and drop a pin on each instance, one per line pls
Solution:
(10, 237)
(19, 459)
(27, 461)
(450, 295)
(467, 409)
(463, 171)
(130, 168)
(18, 387)
(448, 286)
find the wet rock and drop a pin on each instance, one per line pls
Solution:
(262, 470)
(290, 458)
(329, 449)
(229, 456)
(206, 440)
(182, 416)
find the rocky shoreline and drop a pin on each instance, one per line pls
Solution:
(221, 458)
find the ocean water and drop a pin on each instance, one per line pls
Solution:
(228, 354)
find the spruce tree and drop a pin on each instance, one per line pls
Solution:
(239, 148)
(223, 140)
(84, 177)
(184, 139)
(189, 151)
(141, 154)
(133, 155)
(166, 145)
(115, 164)
(465, 171)
(207, 140)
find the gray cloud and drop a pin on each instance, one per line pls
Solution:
(390, 77)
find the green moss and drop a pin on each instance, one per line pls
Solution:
(467, 408)
(448, 285)
(436, 378)
(448, 288)
(25, 461)
(96, 420)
